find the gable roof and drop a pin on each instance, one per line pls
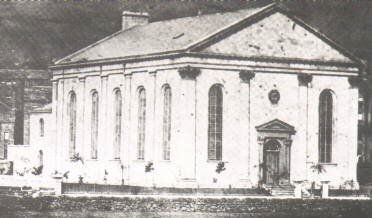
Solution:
(190, 34)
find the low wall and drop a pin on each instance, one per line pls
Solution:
(76, 188)
(29, 181)
(284, 207)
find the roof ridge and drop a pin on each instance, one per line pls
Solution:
(261, 9)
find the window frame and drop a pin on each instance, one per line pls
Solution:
(141, 123)
(326, 126)
(118, 101)
(94, 124)
(215, 123)
(72, 104)
(167, 122)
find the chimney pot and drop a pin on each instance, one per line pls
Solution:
(131, 19)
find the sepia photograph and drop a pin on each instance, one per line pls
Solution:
(186, 108)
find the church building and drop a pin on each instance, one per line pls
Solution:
(236, 99)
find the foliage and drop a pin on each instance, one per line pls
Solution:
(149, 167)
(81, 179)
(317, 167)
(105, 176)
(65, 175)
(76, 157)
(37, 170)
(220, 167)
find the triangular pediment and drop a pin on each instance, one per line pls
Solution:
(276, 126)
(278, 36)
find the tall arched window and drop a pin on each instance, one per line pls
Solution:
(215, 115)
(41, 125)
(117, 121)
(325, 126)
(167, 110)
(94, 125)
(141, 124)
(72, 123)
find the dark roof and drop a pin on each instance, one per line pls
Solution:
(181, 35)
(161, 36)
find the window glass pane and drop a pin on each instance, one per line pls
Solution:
(215, 117)
(94, 125)
(325, 126)
(166, 123)
(117, 121)
(141, 124)
(72, 123)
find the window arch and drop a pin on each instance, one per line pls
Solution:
(72, 123)
(141, 124)
(167, 111)
(117, 121)
(94, 124)
(215, 116)
(41, 126)
(325, 126)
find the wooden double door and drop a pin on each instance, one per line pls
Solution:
(275, 169)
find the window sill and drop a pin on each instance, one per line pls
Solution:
(138, 161)
(328, 164)
(215, 161)
(115, 160)
(165, 161)
(92, 160)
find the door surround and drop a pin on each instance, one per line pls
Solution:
(281, 132)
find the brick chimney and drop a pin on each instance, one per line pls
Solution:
(131, 19)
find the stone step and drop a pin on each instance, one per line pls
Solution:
(282, 190)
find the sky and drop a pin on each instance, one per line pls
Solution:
(35, 33)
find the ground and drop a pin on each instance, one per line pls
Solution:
(11, 206)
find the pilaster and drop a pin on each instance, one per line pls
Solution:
(54, 125)
(127, 127)
(301, 147)
(152, 145)
(80, 145)
(61, 144)
(186, 147)
(103, 154)
(245, 123)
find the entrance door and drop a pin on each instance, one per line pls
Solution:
(271, 162)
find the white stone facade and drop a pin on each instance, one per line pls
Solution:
(246, 106)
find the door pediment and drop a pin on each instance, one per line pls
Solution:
(276, 126)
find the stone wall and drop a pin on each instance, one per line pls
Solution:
(267, 207)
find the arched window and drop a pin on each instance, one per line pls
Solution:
(167, 110)
(325, 126)
(215, 115)
(141, 124)
(117, 121)
(72, 123)
(94, 125)
(41, 125)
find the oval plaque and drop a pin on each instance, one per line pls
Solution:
(274, 96)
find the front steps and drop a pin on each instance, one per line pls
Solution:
(281, 190)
